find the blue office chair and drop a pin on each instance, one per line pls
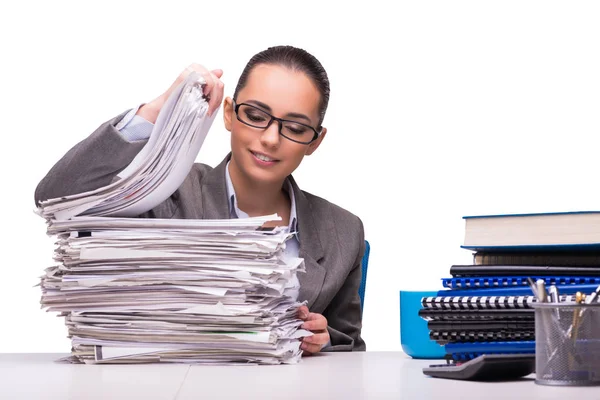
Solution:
(363, 281)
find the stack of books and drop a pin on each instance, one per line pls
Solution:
(486, 307)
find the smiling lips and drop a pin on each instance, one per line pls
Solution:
(264, 159)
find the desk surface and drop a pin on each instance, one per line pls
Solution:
(368, 375)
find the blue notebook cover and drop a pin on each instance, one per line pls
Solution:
(469, 351)
(515, 291)
(515, 281)
(527, 346)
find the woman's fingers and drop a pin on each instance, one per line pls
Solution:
(318, 338)
(314, 344)
(303, 313)
(315, 322)
(216, 94)
(213, 89)
(310, 348)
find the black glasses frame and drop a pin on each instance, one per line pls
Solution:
(280, 120)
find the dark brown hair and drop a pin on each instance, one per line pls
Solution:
(297, 60)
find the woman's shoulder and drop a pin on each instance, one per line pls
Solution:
(329, 213)
(211, 175)
(201, 170)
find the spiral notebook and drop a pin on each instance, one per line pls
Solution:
(520, 270)
(514, 291)
(443, 338)
(478, 315)
(476, 302)
(512, 281)
(481, 326)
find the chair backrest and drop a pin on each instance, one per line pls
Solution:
(363, 281)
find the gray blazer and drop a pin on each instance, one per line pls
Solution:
(331, 238)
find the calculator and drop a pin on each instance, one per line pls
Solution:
(486, 367)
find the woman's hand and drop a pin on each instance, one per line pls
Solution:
(317, 324)
(213, 89)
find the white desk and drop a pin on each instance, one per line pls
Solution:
(370, 375)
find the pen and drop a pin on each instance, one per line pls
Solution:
(541, 289)
(592, 297)
(555, 298)
(532, 286)
(574, 329)
(589, 300)
(576, 314)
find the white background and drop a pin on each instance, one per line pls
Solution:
(439, 109)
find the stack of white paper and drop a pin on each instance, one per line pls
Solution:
(197, 291)
(148, 290)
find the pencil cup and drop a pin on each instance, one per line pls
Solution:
(567, 344)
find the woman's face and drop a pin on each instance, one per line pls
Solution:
(263, 155)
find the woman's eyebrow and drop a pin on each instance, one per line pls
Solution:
(268, 109)
(298, 115)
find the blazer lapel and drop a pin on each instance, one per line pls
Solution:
(215, 204)
(311, 249)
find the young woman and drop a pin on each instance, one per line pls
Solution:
(275, 118)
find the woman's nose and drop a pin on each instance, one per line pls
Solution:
(270, 136)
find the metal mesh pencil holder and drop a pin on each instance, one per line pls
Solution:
(567, 344)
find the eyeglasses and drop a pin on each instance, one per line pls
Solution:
(291, 130)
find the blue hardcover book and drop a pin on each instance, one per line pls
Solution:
(566, 231)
